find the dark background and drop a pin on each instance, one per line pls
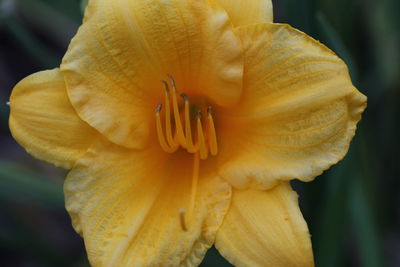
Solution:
(353, 210)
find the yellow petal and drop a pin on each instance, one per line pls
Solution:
(126, 204)
(265, 228)
(114, 64)
(245, 12)
(43, 121)
(298, 113)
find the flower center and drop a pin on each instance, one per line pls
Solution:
(178, 133)
(202, 141)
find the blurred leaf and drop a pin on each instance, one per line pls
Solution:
(363, 214)
(28, 235)
(17, 182)
(38, 14)
(69, 8)
(343, 16)
(365, 226)
(384, 26)
(329, 238)
(299, 15)
(334, 42)
(30, 43)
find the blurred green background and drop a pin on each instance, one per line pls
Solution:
(352, 210)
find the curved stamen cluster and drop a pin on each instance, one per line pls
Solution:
(206, 141)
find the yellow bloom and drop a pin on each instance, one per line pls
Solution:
(162, 170)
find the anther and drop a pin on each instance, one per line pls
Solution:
(185, 97)
(166, 85)
(171, 79)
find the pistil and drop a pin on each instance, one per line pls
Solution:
(193, 193)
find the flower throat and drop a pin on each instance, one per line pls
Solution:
(206, 141)
(206, 138)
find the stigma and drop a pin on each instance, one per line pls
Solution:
(193, 132)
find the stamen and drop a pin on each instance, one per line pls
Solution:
(201, 139)
(182, 219)
(160, 132)
(168, 128)
(188, 129)
(193, 194)
(178, 123)
(171, 140)
(212, 136)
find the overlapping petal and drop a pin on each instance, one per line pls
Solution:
(298, 113)
(265, 228)
(126, 206)
(245, 12)
(115, 62)
(44, 122)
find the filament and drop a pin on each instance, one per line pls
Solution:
(160, 133)
(202, 141)
(188, 129)
(178, 133)
(211, 133)
(178, 123)
(168, 127)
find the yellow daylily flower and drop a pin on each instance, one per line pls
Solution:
(162, 170)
